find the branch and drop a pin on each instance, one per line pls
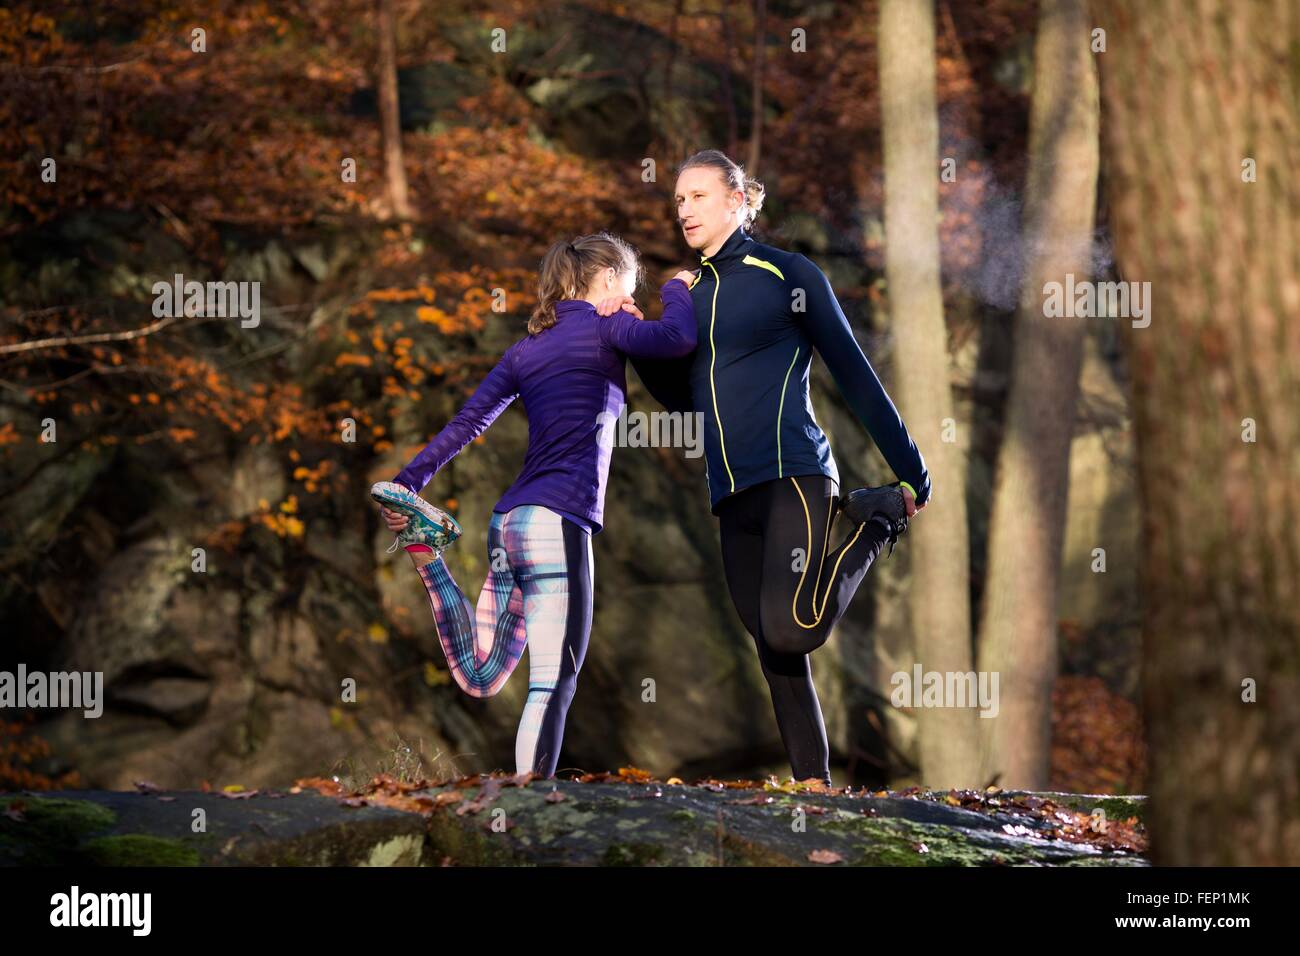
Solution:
(62, 68)
(84, 339)
(89, 370)
(67, 448)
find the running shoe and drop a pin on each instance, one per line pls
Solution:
(885, 503)
(429, 526)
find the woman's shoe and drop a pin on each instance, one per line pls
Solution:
(428, 526)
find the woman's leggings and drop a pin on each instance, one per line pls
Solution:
(790, 590)
(538, 594)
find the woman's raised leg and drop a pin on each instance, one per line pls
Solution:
(483, 645)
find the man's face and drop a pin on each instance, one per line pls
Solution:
(707, 214)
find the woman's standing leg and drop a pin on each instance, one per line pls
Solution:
(551, 558)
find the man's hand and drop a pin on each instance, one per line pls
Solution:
(909, 501)
(614, 303)
(395, 520)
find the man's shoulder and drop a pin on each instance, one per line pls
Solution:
(785, 260)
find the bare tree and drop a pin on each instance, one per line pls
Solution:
(390, 127)
(1017, 637)
(1202, 143)
(938, 540)
(724, 75)
(756, 123)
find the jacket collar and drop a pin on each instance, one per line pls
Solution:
(565, 306)
(735, 248)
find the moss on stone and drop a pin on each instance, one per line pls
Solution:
(50, 830)
(139, 849)
(632, 854)
(1118, 808)
(738, 851)
(469, 845)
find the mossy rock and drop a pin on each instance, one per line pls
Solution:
(138, 849)
(617, 824)
(49, 829)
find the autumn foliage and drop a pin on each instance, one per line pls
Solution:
(171, 160)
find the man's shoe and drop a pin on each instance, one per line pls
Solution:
(884, 504)
(429, 526)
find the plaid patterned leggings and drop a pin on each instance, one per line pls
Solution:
(538, 594)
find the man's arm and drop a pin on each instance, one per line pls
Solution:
(667, 380)
(831, 335)
(489, 400)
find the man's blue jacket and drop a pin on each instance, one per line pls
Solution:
(760, 312)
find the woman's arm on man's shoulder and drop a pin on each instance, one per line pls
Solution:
(667, 378)
(671, 337)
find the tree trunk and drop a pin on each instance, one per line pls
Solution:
(756, 99)
(674, 142)
(724, 72)
(390, 127)
(1032, 477)
(1192, 89)
(938, 541)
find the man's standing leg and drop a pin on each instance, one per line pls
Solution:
(789, 676)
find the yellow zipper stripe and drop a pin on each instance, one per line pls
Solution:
(713, 359)
(780, 468)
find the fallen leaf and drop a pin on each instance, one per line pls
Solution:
(825, 856)
(329, 788)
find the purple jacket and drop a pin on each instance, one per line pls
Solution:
(567, 376)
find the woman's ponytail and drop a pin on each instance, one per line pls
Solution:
(557, 278)
(568, 268)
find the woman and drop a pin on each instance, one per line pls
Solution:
(569, 371)
(773, 481)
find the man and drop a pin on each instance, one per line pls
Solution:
(773, 481)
